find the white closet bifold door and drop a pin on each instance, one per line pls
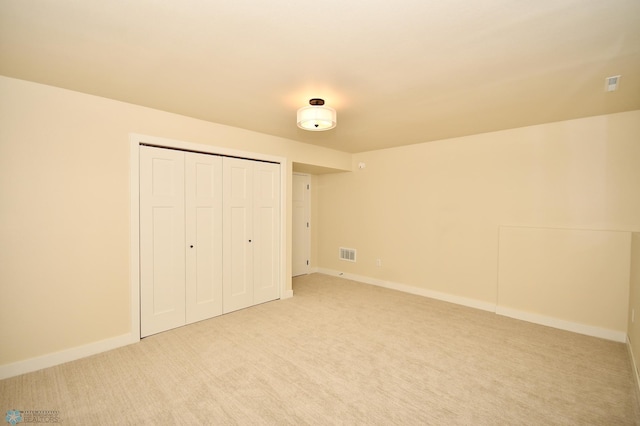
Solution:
(209, 236)
(162, 240)
(237, 234)
(180, 238)
(251, 236)
(266, 226)
(203, 209)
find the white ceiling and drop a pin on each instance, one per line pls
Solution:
(398, 72)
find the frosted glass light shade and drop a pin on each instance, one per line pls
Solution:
(316, 118)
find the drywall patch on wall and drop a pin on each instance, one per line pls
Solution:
(574, 276)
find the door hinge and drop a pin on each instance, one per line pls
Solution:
(307, 263)
(307, 224)
(308, 186)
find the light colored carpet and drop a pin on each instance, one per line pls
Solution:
(341, 352)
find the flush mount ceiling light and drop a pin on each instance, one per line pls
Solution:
(316, 117)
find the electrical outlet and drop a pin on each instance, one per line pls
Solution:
(378, 263)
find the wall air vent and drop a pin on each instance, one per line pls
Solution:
(611, 83)
(347, 254)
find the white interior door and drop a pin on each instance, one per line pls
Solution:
(237, 233)
(266, 232)
(203, 186)
(162, 240)
(301, 224)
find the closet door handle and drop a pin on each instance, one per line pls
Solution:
(191, 246)
(249, 240)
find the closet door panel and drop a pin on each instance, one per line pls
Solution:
(204, 236)
(239, 253)
(266, 218)
(237, 234)
(162, 240)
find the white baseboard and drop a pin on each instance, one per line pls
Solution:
(617, 336)
(472, 303)
(72, 354)
(636, 376)
(286, 294)
(589, 330)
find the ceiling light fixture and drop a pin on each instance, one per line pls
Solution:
(316, 117)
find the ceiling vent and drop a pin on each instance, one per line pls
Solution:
(611, 83)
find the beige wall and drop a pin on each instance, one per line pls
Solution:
(634, 302)
(574, 275)
(431, 212)
(64, 209)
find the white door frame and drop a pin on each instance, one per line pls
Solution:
(134, 219)
(307, 218)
